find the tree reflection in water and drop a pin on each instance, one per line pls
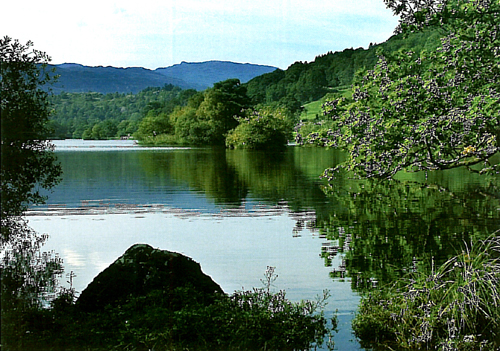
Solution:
(384, 229)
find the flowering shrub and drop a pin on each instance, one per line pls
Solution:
(432, 111)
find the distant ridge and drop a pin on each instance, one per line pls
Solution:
(209, 72)
(75, 77)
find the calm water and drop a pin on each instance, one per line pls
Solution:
(237, 212)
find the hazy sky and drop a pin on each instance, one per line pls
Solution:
(160, 33)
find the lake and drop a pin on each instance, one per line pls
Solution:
(237, 212)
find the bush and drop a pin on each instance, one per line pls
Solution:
(183, 319)
(161, 140)
(153, 125)
(456, 307)
(264, 128)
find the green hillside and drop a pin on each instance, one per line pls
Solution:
(302, 88)
(100, 116)
(305, 82)
(313, 111)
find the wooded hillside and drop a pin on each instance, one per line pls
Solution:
(94, 115)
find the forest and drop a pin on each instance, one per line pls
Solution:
(94, 115)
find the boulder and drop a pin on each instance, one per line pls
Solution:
(140, 271)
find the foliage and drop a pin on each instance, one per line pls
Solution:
(247, 320)
(205, 120)
(427, 111)
(29, 281)
(161, 140)
(313, 111)
(152, 125)
(454, 307)
(304, 82)
(189, 128)
(113, 114)
(28, 163)
(312, 130)
(221, 104)
(263, 128)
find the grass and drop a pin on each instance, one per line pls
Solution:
(455, 307)
(313, 112)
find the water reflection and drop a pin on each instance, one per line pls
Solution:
(201, 179)
(239, 210)
(384, 229)
(380, 229)
(201, 170)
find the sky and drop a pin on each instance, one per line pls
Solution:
(161, 33)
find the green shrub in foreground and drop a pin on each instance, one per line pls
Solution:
(257, 319)
(456, 307)
(252, 320)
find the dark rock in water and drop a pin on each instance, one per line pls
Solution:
(141, 270)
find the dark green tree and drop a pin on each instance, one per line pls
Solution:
(210, 115)
(221, 104)
(28, 163)
(152, 125)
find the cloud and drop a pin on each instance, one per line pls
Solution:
(152, 34)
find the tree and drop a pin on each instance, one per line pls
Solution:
(104, 130)
(221, 104)
(190, 128)
(210, 115)
(28, 163)
(436, 110)
(152, 125)
(263, 128)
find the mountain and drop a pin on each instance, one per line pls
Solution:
(74, 77)
(210, 72)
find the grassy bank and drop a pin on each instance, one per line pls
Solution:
(313, 110)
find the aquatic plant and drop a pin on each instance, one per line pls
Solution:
(453, 307)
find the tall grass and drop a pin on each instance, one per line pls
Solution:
(453, 307)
